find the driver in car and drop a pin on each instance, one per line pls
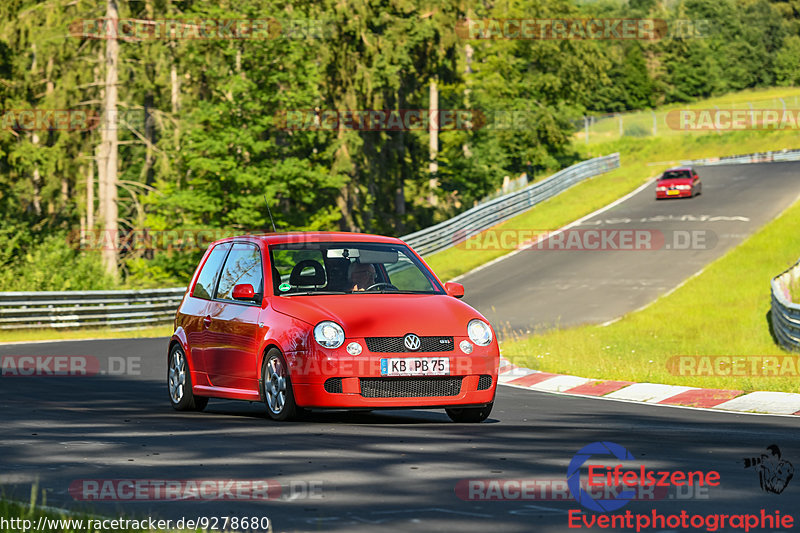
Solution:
(361, 275)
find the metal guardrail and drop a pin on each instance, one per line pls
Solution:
(129, 309)
(758, 157)
(73, 309)
(785, 313)
(457, 229)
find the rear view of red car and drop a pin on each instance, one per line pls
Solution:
(678, 183)
(329, 320)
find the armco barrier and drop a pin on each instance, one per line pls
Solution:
(759, 157)
(452, 231)
(785, 313)
(72, 309)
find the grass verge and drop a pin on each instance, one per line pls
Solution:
(28, 335)
(641, 123)
(721, 312)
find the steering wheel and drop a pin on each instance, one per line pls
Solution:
(379, 284)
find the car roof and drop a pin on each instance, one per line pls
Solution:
(678, 168)
(313, 236)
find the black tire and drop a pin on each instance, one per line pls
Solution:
(470, 414)
(179, 383)
(276, 387)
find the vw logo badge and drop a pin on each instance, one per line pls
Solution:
(411, 342)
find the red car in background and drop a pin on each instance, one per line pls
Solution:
(680, 182)
(329, 320)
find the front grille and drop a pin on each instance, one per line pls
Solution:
(333, 385)
(395, 344)
(485, 383)
(410, 387)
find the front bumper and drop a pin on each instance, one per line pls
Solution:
(335, 379)
(681, 194)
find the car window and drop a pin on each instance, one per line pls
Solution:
(405, 274)
(304, 263)
(207, 280)
(676, 174)
(349, 268)
(243, 265)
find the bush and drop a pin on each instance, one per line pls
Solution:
(53, 265)
(637, 130)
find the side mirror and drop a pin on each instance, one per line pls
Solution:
(456, 290)
(244, 291)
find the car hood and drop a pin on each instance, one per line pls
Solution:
(382, 315)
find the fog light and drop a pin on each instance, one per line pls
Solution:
(354, 348)
(465, 346)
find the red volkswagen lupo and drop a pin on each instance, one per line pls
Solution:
(329, 320)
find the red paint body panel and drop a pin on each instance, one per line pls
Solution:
(225, 341)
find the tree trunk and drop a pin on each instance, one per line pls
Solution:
(90, 196)
(175, 99)
(110, 211)
(50, 87)
(37, 179)
(433, 133)
(149, 134)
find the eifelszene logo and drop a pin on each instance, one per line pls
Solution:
(614, 477)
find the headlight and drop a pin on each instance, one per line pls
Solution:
(479, 332)
(329, 334)
(661, 188)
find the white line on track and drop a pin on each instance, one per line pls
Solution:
(558, 231)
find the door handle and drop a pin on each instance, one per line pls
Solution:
(207, 321)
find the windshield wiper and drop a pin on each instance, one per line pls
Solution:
(306, 293)
(389, 291)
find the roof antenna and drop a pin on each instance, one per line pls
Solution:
(270, 214)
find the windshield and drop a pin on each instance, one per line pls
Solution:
(675, 174)
(348, 268)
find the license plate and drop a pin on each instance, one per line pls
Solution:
(415, 366)
(673, 192)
